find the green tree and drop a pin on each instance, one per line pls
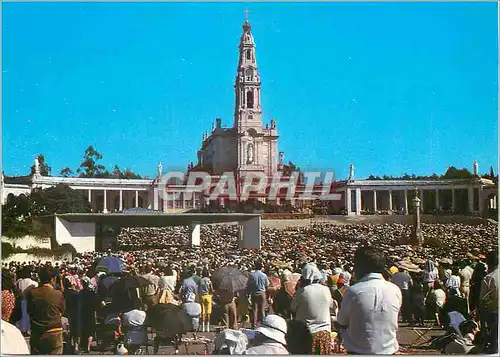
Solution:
(89, 166)
(66, 172)
(45, 169)
(454, 173)
(129, 174)
(58, 199)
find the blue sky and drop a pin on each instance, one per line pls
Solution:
(390, 87)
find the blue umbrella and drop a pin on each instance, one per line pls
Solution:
(110, 265)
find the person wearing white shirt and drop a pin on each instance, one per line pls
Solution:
(403, 281)
(465, 276)
(453, 282)
(368, 317)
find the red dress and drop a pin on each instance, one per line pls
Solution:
(8, 304)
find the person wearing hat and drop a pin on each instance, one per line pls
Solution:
(270, 338)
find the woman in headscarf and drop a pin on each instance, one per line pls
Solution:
(311, 304)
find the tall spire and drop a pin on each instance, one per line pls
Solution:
(247, 111)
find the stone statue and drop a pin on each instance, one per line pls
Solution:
(282, 158)
(160, 169)
(37, 166)
(351, 172)
(250, 153)
(476, 168)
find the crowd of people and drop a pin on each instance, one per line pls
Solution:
(308, 290)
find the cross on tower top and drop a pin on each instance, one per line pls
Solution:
(246, 15)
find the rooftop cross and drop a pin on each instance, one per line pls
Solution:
(246, 15)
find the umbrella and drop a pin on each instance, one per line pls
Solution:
(230, 279)
(129, 282)
(166, 318)
(110, 265)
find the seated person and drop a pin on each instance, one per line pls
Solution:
(134, 327)
(454, 302)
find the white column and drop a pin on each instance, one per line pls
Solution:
(105, 207)
(437, 199)
(155, 199)
(136, 198)
(348, 201)
(121, 200)
(452, 199)
(470, 199)
(374, 201)
(358, 201)
(194, 199)
(421, 200)
(173, 195)
(90, 196)
(195, 234)
(166, 197)
(390, 201)
(406, 202)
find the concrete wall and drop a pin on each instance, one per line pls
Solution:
(251, 234)
(28, 242)
(79, 234)
(25, 257)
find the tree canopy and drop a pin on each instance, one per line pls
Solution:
(45, 169)
(451, 173)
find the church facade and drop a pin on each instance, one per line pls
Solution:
(248, 146)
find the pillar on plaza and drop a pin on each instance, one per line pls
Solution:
(453, 199)
(250, 234)
(421, 198)
(194, 230)
(417, 230)
(121, 201)
(375, 201)
(348, 201)
(470, 199)
(390, 202)
(136, 198)
(358, 201)
(105, 207)
(406, 202)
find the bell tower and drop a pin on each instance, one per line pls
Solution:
(247, 111)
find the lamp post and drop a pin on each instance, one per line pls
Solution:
(417, 230)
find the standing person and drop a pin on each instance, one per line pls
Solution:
(205, 292)
(46, 307)
(230, 313)
(338, 294)
(8, 297)
(404, 281)
(256, 287)
(311, 304)
(167, 284)
(453, 282)
(430, 274)
(465, 275)
(488, 302)
(368, 317)
(23, 285)
(188, 285)
(475, 284)
(150, 292)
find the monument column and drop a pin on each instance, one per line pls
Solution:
(470, 199)
(90, 196)
(358, 201)
(390, 201)
(421, 199)
(406, 202)
(348, 201)
(105, 206)
(136, 198)
(121, 201)
(374, 201)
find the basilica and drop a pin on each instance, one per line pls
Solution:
(250, 146)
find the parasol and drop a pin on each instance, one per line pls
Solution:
(230, 279)
(110, 265)
(129, 282)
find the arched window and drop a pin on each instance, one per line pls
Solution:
(249, 54)
(250, 117)
(250, 99)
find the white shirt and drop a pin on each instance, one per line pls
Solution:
(369, 312)
(13, 342)
(465, 276)
(440, 297)
(453, 282)
(402, 280)
(167, 282)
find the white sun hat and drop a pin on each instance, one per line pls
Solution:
(274, 327)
